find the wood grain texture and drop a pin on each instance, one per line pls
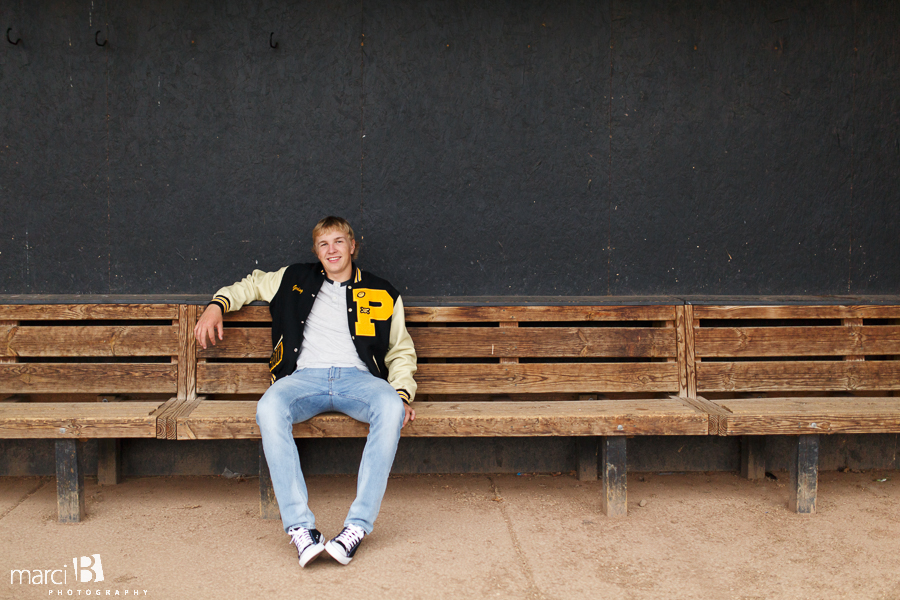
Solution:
(78, 420)
(724, 342)
(685, 344)
(95, 378)
(506, 359)
(813, 376)
(70, 480)
(804, 471)
(797, 312)
(237, 420)
(224, 378)
(488, 314)
(187, 352)
(487, 342)
(856, 324)
(714, 411)
(493, 314)
(614, 466)
(249, 314)
(63, 312)
(161, 415)
(796, 416)
(6, 356)
(111, 341)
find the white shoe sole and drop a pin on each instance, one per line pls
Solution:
(337, 553)
(311, 553)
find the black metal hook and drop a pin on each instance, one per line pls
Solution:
(271, 35)
(97, 40)
(8, 39)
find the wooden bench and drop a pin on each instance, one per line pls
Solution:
(601, 373)
(799, 371)
(105, 371)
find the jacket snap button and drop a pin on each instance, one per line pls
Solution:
(295, 349)
(349, 310)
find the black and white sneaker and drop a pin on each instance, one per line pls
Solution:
(309, 542)
(344, 545)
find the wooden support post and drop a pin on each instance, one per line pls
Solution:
(109, 461)
(753, 456)
(804, 474)
(109, 454)
(70, 480)
(268, 505)
(684, 346)
(187, 351)
(615, 497)
(587, 449)
(7, 331)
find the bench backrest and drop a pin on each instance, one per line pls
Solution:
(796, 349)
(65, 349)
(559, 351)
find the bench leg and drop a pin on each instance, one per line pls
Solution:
(587, 450)
(268, 505)
(804, 474)
(753, 456)
(613, 463)
(109, 461)
(70, 480)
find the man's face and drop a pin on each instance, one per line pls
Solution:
(334, 249)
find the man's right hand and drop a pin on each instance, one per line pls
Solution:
(209, 324)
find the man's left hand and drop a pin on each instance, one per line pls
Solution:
(409, 416)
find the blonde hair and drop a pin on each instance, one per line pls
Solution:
(334, 223)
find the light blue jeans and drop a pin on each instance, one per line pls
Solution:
(307, 393)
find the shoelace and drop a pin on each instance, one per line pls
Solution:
(301, 538)
(350, 536)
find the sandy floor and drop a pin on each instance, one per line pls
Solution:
(471, 536)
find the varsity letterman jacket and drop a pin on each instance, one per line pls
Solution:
(375, 317)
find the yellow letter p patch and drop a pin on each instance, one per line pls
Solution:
(371, 305)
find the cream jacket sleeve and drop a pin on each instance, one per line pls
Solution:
(401, 355)
(258, 285)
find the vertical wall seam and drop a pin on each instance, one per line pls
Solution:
(853, 71)
(609, 197)
(362, 105)
(108, 182)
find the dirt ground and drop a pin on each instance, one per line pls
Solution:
(466, 536)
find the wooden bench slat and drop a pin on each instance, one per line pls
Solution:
(78, 420)
(486, 342)
(97, 378)
(792, 416)
(488, 314)
(66, 312)
(493, 314)
(796, 312)
(232, 378)
(762, 376)
(237, 420)
(796, 341)
(135, 340)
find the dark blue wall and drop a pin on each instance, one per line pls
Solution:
(495, 147)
